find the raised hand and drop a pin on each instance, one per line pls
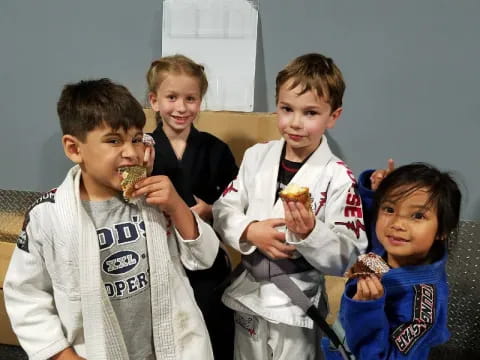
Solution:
(298, 218)
(378, 175)
(159, 190)
(270, 241)
(149, 158)
(369, 288)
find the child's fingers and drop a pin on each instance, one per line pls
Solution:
(275, 222)
(361, 288)
(285, 248)
(294, 211)
(146, 155)
(306, 215)
(287, 212)
(279, 236)
(391, 165)
(365, 289)
(375, 288)
(377, 178)
(378, 286)
(151, 184)
(148, 159)
(279, 250)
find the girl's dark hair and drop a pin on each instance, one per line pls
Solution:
(445, 194)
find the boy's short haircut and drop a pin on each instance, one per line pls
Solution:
(317, 73)
(445, 194)
(89, 104)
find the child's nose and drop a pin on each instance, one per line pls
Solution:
(128, 150)
(398, 222)
(296, 121)
(180, 105)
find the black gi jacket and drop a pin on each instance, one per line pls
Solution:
(205, 170)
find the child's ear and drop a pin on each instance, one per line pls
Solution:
(71, 148)
(334, 116)
(153, 100)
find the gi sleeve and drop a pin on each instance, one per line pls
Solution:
(370, 335)
(339, 237)
(29, 296)
(199, 253)
(229, 211)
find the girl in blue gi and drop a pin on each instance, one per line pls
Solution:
(404, 314)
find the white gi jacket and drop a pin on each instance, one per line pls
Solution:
(55, 296)
(337, 238)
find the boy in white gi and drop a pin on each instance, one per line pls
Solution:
(251, 218)
(94, 276)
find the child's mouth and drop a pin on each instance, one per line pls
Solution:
(397, 240)
(295, 137)
(180, 120)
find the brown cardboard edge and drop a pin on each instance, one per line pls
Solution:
(7, 336)
(6, 250)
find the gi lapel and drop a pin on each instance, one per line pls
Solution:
(309, 173)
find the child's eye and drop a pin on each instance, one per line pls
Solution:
(113, 141)
(418, 216)
(387, 209)
(171, 97)
(311, 113)
(286, 108)
(191, 99)
(137, 140)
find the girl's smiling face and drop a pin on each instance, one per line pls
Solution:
(407, 226)
(178, 101)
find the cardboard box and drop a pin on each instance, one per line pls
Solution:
(6, 333)
(239, 130)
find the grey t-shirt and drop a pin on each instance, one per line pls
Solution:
(125, 270)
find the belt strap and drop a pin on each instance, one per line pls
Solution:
(262, 268)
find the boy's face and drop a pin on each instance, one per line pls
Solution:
(302, 120)
(178, 101)
(101, 155)
(407, 227)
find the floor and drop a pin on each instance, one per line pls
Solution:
(8, 352)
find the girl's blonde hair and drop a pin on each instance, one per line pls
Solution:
(175, 64)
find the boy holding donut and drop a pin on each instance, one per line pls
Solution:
(318, 239)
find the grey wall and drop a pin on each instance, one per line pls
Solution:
(412, 76)
(45, 44)
(410, 67)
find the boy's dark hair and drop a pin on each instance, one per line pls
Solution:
(88, 104)
(445, 194)
(317, 73)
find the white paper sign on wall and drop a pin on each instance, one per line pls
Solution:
(221, 35)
